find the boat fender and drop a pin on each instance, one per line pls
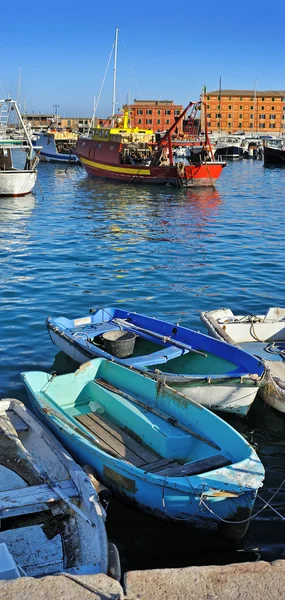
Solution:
(103, 492)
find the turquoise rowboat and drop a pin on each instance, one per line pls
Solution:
(151, 445)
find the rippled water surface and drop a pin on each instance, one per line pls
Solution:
(80, 243)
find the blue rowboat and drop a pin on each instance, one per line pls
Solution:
(213, 373)
(156, 449)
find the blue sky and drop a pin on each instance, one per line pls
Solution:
(167, 50)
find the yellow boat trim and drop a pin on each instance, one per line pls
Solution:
(126, 170)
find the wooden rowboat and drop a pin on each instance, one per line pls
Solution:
(153, 447)
(51, 517)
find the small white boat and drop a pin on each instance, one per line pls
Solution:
(51, 517)
(15, 181)
(260, 335)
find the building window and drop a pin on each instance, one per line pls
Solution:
(139, 112)
(229, 124)
(69, 122)
(272, 126)
(177, 112)
(139, 121)
(262, 125)
(240, 116)
(158, 121)
(240, 125)
(158, 112)
(229, 115)
(168, 112)
(208, 97)
(208, 106)
(272, 117)
(240, 107)
(262, 99)
(218, 115)
(251, 108)
(240, 97)
(251, 125)
(251, 116)
(272, 107)
(273, 99)
(148, 111)
(230, 106)
(167, 121)
(230, 97)
(262, 108)
(262, 117)
(219, 97)
(148, 121)
(251, 98)
(208, 115)
(219, 106)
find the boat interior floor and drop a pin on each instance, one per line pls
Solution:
(127, 446)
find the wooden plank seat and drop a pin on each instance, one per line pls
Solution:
(33, 494)
(112, 436)
(196, 467)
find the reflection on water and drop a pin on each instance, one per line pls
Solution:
(168, 252)
(16, 208)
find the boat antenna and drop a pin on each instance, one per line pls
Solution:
(115, 75)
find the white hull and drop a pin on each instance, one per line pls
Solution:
(16, 182)
(227, 398)
(260, 330)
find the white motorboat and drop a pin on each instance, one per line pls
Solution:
(15, 181)
(260, 335)
(51, 518)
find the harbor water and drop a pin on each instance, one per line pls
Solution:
(80, 243)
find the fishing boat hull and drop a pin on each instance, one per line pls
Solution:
(51, 517)
(203, 374)
(17, 182)
(260, 335)
(96, 162)
(225, 505)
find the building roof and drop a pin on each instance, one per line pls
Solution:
(258, 93)
(158, 102)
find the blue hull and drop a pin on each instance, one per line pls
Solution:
(202, 501)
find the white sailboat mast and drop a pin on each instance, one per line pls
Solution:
(115, 75)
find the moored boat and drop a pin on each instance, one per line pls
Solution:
(262, 336)
(15, 181)
(274, 153)
(213, 373)
(57, 145)
(51, 517)
(155, 448)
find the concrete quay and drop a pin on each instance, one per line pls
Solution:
(242, 581)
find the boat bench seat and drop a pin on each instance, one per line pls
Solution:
(195, 467)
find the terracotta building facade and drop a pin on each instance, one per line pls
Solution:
(261, 112)
(157, 115)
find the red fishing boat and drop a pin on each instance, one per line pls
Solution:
(133, 155)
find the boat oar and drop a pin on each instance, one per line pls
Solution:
(163, 415)
(164, 338)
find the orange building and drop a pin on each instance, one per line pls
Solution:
(245, 110)
(157, 115)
